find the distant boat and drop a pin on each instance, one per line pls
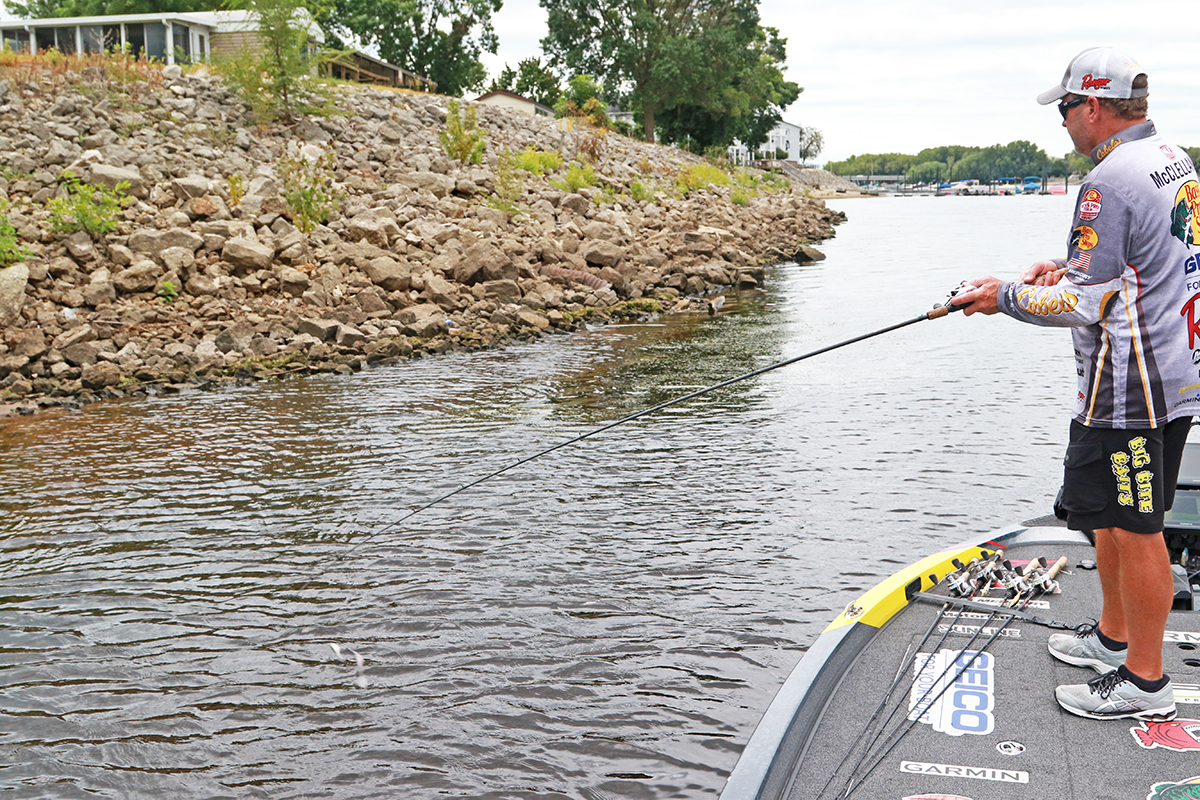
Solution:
(1032, 185)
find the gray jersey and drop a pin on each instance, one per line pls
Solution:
(1132, 285)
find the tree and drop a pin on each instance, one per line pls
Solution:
(704, 60)
(439, 39)
(530, 79)
(581, 98)
(811, 142)
(39, 9)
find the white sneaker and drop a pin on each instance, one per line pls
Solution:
(1112, 696)
(1083, 649)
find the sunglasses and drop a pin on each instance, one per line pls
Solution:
(1064, 108)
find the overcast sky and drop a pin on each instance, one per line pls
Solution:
(900, 75)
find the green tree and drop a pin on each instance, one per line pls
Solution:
(707, 58)
(276, 75)
(439, 39)
(530, 79)
(582, 98)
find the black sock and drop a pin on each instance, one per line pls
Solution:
(1110, 644)
(1146, 686)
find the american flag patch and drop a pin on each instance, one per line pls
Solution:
(1080, 261)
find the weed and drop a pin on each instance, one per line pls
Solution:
(740, 198)
(237, 189)
(11, 250)
(462, 139)
(168, 291)
(87, 208)
(577, 177)
(700, 176)
(308, 186)
(641, 193)
(539, 162)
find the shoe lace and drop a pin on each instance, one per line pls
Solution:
(1086, 629)
(1105, 684)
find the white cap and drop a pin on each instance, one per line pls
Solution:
(1100, 72)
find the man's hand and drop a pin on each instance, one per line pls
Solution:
(981, 299)
(1043, 273)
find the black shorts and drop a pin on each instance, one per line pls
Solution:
(1121, 478)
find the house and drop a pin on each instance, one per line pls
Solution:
(505, 99)
(172, 38)
(783, 137)
(186, 37)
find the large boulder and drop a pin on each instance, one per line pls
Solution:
(111, 177)
(141, 277)
(12, 292)
(484, 261)
(248, 254)
(389, 274)
(426, 319)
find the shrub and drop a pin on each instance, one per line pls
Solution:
(462, 138)
(508, 184)
(593, 144)
(539, 162)
(308, 186)
(577, 177)
(87, 208)
(641, 193)
(700, 176)
(237, 189)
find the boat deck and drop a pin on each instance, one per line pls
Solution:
(998, 731)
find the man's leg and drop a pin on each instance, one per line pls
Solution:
(1135, 576)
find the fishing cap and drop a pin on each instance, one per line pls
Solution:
(1099, 72)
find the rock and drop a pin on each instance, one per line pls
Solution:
(502, 290)
(81, 353)
(532, 319)
(12, 363)
(236, 337)
(110, 177)
(425, 320)
(576, 203)
(601, 254)
(293, 281)
(100, 375)
(248, 254)
(13, 281)
(190, 186)
(200, 285)
(82, 333)
(141, 277)
(321, 329)
(30, 342)
(806, 254)
(348, 336)
(484, 262)
(99, 293)
(389, 274)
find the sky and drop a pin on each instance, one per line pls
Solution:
(885, 76)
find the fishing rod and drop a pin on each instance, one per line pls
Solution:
(937, 312)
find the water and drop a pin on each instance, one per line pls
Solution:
(607, 621)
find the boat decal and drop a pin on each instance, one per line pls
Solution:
(1185, 637)
(1187, 789)
(963, 707)
(853, 611)
(1179, 735)
(1010, 748)
(1187, 693)
(973, 630)
(997, 601)
(960, 771)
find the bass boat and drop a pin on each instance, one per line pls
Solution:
(936, 684)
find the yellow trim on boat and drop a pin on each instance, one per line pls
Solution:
(881, 602)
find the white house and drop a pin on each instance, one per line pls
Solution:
(170, 38)
(784, 136)
(505, 99)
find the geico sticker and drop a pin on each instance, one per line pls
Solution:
(953, 692)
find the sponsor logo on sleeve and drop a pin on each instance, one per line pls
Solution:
(1167, 151)
(1180, 790)
(1089, 205)
(1179, 735)
(1185, 221)
(1084, 237)
(1080, 261)
(1028, 300)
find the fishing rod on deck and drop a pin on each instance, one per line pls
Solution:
(937, 312)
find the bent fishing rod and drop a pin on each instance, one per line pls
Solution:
(937, 312)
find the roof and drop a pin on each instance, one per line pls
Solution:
(221, 21)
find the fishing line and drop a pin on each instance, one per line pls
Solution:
(936, 313)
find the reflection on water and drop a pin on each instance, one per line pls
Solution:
(606, 621)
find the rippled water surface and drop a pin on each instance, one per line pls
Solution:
(210, 595)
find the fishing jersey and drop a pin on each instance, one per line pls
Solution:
(1132, 285)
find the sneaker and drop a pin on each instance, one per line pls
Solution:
(1083, 649)
(1111, 696)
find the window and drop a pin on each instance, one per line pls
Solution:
(61, 39)
(135, 35)
(15, 39)
(181, 41)
(156, 40)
